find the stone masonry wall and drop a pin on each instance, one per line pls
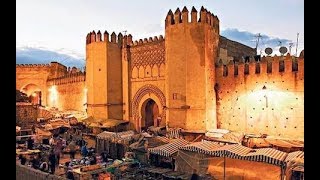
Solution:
(236, 49)
(70, 92)
(270, 103)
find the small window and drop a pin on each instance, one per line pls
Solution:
(294, 65)
(225, 70)
(175, 96)
(281, 66)
(269, 67)
(257, 68)
(246, 68)
(236, 69)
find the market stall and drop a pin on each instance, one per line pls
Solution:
(114, 144)
(231, 161)
(164, 155)
(57, 126)
(295, 165)
(143, 142)
(42, 135)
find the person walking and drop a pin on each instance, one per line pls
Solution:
(58, 150)
(52, 161)
(72, 146)
(84, 150)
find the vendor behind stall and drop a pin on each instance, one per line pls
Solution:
(72, 147)
(104, 156)
(84, 150)
(30, 143)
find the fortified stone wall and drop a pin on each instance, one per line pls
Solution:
(235, 49)
(104, 75)
(191, 47)
(68, 92)
(32, 74)
(262, 97)
(147, 72)
(183, 73)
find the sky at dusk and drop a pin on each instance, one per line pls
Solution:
(60, 27)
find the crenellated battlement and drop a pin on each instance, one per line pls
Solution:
(32, 65)
(68, 79)
(204, 16)
(149, 40)
(257, 65)
(98, 37)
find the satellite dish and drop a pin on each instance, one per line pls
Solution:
(283, 50)
(268, 51)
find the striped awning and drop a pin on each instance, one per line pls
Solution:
(106, 135)
(204, 147)
(267, 155)
(125, 134)
(112, 136)
(169, 149)
(163, 139)
(237, 151)
(294, 155)
(173, 133)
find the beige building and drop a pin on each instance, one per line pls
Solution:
(191, 78)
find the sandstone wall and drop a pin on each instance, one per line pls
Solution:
(68, 93)
(32, 74)
(147, 73)
(278, 109)
(236, 49)
(190, 50)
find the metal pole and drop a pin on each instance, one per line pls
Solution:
(297, 44)
(224, 167)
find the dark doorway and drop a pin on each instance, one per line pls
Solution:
(35, 98)
(150, 113)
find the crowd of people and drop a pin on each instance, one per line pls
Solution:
(47, 161)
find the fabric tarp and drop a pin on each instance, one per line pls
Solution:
(88, 120)
(204, 147)
(267, 155)
(293, 156)
(149, 142)
(224, 135)
(169, 149)
(54, 124)
(218, 167)
(294, 162)
(115, 144)
(43, 133)
(106, 123)
(285, 143)
(236, 151)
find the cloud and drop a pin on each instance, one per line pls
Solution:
(249, 39)
(41, 55)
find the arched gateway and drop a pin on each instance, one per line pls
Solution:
(147, 107)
